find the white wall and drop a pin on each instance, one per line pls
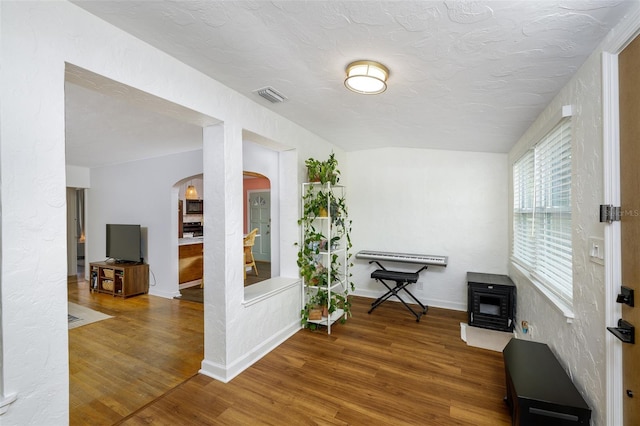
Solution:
(429, 202)
(33, 221)
(141, 192)
(439, 213)
(579, 344)
(78, 177)
(38, 39)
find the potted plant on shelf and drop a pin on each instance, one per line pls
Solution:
(323, 171)
(313, 169)
(320, 303)
(322, 269)
(316, 203)
(320, 202)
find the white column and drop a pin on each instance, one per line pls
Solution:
(223, 286)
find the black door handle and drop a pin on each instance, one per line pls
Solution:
(625, 296)
(624, 331)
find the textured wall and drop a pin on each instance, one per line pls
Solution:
(38, 40)
(34, 264)
(431, 202)
(580, 345)
(140, 192)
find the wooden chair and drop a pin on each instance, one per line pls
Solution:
(249, 261)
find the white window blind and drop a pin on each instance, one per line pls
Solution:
(542, 212)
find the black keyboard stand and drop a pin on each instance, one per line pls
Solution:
(402, 280)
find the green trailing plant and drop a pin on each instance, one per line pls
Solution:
(323, 171)
(313, 169)
(316, 249)
(320, 300)
(317, 203)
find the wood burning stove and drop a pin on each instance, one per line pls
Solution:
(491, 301)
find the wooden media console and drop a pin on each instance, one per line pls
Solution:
(119, 279)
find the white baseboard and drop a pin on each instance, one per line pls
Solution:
(445, 304)
(193, 283)
(226, 373)
(165, 294)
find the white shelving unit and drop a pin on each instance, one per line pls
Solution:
(325, 235)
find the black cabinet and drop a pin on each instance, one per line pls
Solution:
(539, 391)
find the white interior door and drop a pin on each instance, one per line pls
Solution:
(260, 217)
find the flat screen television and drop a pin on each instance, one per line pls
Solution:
(124, 243)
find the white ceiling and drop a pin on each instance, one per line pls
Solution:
(467, 76)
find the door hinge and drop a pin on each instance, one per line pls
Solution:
(609, 213)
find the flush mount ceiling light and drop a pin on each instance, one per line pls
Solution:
(366, 77)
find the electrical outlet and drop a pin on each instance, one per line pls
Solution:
(419, 285)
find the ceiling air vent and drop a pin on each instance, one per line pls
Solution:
(271, 94)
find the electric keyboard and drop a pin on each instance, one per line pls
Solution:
(422, 259)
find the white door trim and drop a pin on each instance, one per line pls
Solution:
(612, 261)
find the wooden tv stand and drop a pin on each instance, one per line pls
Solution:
(119, 279)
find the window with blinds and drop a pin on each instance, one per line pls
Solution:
(542, 212)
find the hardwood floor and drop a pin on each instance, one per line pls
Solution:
(120, 364)
(264, 271)
(382, 368)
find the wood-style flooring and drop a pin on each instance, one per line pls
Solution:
(264, 273)
(196, 293)
(118, 365)
(140, 367)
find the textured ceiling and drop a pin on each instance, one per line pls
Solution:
(463, 75)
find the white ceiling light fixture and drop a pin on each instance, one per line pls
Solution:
(366, 77)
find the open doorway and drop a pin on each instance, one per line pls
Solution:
(75, 234)
(190, 237)
(124, 150)
(257, 216)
